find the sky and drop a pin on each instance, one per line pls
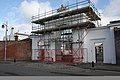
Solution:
(18, 13)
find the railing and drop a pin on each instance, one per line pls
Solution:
(94, 8)
(69, 7)
(76, 19)
(62, 55)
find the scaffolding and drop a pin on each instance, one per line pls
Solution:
(57, 26)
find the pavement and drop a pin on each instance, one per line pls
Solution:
(57, 69)
(77, 70)
(97, 66)
(11, 69)
(100, 66)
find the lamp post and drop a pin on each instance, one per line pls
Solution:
(5, 26)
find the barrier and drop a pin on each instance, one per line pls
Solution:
(74, 56)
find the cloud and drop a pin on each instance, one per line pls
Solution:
(105, 19)
(113, 8)
(20, 17)
(111, 12)
(28, 9)
(66, 0)
(24, 28)
(94, 1)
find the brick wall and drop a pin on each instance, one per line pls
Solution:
(19, 50)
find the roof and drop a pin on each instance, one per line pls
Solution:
(116, 21)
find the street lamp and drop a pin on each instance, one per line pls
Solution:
(5, 26)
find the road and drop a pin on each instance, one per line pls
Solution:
(12, 69)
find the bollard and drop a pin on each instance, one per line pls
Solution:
(14, 60)
(92, 64)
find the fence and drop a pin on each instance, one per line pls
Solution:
(73, 56)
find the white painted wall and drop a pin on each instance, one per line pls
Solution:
(52, 49)
(49, 50)
(34, 47)
(78, 36)
(95, 35)
(105, 36)
(54, 45)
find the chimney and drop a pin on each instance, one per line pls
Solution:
(16, 37)
(12, 35)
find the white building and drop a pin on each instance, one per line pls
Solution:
(55, 32)
(104, 35)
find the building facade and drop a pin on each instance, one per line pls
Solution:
(73, 35)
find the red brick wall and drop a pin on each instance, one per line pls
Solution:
(20, 50)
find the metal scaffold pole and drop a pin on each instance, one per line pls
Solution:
(65, 21)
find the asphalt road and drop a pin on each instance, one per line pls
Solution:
(15, 70)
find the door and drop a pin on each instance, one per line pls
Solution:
(99, 52)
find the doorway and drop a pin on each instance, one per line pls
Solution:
(99, 52)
